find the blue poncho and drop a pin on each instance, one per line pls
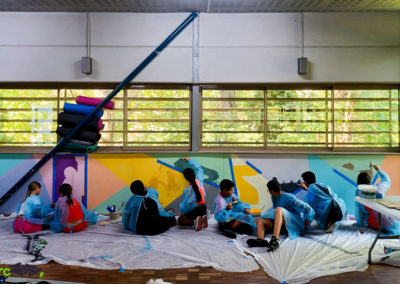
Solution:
(153, 194)
(189, 201)
(61, 213)
(295, 212)
(321, 202)
(236, 213)
(389, 225)
(132, 209)
(35, 212)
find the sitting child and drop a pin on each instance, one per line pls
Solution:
(32, 215)
(141, 213)
(233, 215)
(70, 214)
(290, 212)
(368, 217)
(193, 206)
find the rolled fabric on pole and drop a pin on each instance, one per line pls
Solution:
(85, 135)
(93, 102)
(75, 147)
(100, 125)
(82, 142)
(81, 109)
(68, 119)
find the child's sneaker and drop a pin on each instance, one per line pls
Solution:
(229, 233)
(257, 243)
(273, 244)
(198, 223)
(205, 221)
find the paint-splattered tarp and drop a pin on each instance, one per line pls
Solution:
(111, 247)
(316, 254)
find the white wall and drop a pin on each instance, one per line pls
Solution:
(234, 48)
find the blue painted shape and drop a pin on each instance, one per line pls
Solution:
(253, 167)
(374, 179)
(342, 187)
(344, 177)
(169, 166)
(233, 175)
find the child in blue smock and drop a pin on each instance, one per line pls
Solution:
(193, 206)
(141, 213)
(290, 214)
(366, 216)
(32, 214)
(233, 215)
(329, 208)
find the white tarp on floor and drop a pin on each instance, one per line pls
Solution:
(316, 254)
(110, 247)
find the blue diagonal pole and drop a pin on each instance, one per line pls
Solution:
(110, 96)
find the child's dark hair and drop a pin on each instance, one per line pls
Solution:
(226, 184)
(364, 178)
(137, 187)
(309, 177)
(274, 186)
(190, 176)
(66, 189)
(31, 187)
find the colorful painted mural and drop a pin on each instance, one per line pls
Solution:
(104, 179)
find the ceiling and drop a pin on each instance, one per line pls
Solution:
(205, 6)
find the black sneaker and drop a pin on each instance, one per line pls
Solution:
(257, 243)
(273, 244)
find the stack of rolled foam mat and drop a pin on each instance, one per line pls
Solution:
(86, 139)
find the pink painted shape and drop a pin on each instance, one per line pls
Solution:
(102, 183)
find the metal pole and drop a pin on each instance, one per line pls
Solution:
(110, 96)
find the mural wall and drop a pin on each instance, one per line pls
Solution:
(104, 179)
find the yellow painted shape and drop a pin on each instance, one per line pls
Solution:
(129, 167)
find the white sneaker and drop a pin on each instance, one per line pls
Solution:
(331, 228)
(198, 223)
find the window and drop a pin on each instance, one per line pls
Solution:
(232, 118)
(366, 118)
(158, 118)
(321, 119)
(28, 117)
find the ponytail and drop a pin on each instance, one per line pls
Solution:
(31, 187)
(190, 176)
(66, 190)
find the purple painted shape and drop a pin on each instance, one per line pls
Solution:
(8, 179)
(61, 164)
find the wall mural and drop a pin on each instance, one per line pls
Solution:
(104, 179)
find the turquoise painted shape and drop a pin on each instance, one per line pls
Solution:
(122, 195)
(325, 174)
(9, 161)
